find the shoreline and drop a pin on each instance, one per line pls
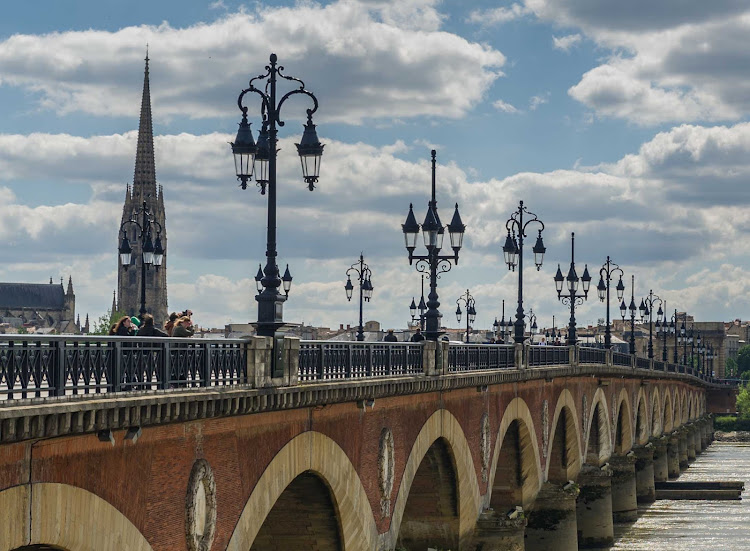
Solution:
(732, 436)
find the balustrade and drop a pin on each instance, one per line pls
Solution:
(39, 366)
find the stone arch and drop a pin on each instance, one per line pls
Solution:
(677, 417)
(517, 417)
(684, 400)
(657, 420)
(642, 431)
(598, 437)
(668, 418)
(90, 522)
(441, 425)
(564, 459)
(623, 425)
(310, 452)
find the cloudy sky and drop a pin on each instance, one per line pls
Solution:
(625, 122)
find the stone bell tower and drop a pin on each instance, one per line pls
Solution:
(144, 188)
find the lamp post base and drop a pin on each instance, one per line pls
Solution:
(270, 313)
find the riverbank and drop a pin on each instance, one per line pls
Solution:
(732, 436)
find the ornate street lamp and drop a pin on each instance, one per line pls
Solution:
(513, 253)
(471, 313)
(152, 253)
(572, 297)
(363, 276)
(668, 327)
(632, 308)
(606, 273)
(260, 160)
(533, 327)
(433, 263)
(503, 328)
(647, 310)
(418, 321)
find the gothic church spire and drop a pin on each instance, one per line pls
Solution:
(144, 178)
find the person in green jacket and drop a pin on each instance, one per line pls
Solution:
(183, 327)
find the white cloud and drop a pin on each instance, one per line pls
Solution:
(565, 43)
(536, 101)
(363, 60)
(670, 61)
(505, 107)
(497, 16)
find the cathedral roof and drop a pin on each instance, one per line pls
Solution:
(32, 295)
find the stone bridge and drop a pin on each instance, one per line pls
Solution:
(430, 445)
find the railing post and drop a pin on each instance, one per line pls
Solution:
(291, 361)
(608, 357)
(573, 355)
(389, 359)
(116, 381)
(368, 367)
(165, 364)
(58, 374)
(521, 356)
(349, 361)
(260, 360)
(429, 358)
(206, 375)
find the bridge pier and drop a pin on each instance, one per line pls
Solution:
(645, 490)
(496, 532)
(673, 455)
(704, 434)
(691, 442)
(661, 460)
(594, 507)
(552, 521)
(624, 501)
(682, 436)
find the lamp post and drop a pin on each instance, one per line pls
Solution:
(606, 272)
(152, 253)
(709, 372)
(572, 297)
(686, 337)
(647, 309)
(433, 263)
(632, 308)
(533, 327)
(503, 327)
(363, 275)
(513, 253)
(669, 328)
(471, 313)
(260, 160)
(422, 309)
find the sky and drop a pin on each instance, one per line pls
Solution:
(624, 122)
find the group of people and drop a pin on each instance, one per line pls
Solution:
(418, 336)
(179, 324)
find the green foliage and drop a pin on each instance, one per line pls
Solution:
(102, 325)
(22, 330)
(743, 359)
(731, 368)
(729, 423)
(743, 402)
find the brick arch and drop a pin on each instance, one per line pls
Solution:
(642, 431)
(517, 411)
(441, 425)
(623, 421)
(598, 404)
(89, 524)
(677, 417)
(657, 421)
(310, 452)
(684, 400)
(565, 439)
(668, 417)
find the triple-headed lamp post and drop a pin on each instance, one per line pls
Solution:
(152, 252)
(433, 263)
(623, 311)
(418, 321)
(513, 253)
(503, 328)
(471, 313)
(572, 297)
(363, 275)
(260, 160)
(607, 271)
(647, 309)
(667, 328)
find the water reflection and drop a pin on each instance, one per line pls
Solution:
(696, 525)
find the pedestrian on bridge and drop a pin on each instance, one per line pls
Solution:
(183, 327)
(124, 327)
(390, 337)
(417, 336)
(148, 329)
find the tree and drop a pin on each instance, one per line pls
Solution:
(731, 368)
(743, 359)
(743, 402)
(105, 321)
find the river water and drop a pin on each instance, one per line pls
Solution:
(697, 525)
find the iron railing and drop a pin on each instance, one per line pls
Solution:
(331, 360)
(659, 365)
(33, 366)
(470, 357)
(623, 360)
(38, 366)
(548, 355)
(588, 355)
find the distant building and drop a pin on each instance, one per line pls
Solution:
(43, 306)
(144, 188)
